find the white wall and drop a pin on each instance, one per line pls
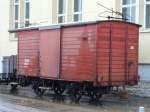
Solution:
(91, 9)
(144, 48)
(7, 47)
(41, 11)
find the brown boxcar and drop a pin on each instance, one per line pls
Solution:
(87, 58)
(104, 52)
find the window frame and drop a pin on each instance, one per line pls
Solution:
(14, 18)
(145, 3)
(26, 19)
(80, 12)
(64, 12)
(136, 4)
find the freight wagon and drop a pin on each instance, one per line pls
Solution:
(8, 69)
(82, 58)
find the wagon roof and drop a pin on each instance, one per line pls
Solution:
(46, 27)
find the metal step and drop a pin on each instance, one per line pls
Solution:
(13, 83)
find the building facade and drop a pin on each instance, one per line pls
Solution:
(138, 11)
(24, 13)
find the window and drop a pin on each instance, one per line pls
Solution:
(129, 10)
(61, 11)
(147, 14)
(27, 13)
(77, 10)
(16, 13)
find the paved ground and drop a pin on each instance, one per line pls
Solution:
(142, 90)
(26, 101)
(6, 106)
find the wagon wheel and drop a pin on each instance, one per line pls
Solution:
(23, 82)
(13, 87)
(59, 90)
(77, 96)
(94, 96)
(39, 92)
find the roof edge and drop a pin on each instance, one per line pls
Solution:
(56, 26)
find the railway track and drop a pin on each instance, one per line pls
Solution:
(48, 96)
(109, 102)
(27, 92)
